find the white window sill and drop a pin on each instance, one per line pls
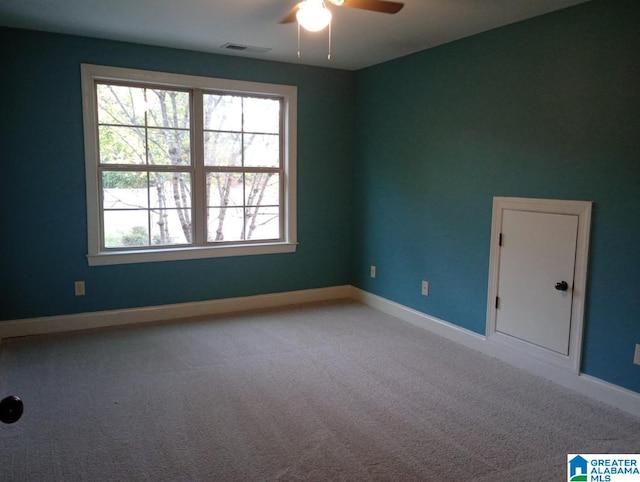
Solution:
(176, 254)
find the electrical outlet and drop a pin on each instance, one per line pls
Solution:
(373, 271)
(425, 288)
(79, 288)
(636, 357)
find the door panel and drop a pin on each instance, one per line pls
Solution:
(538, 250)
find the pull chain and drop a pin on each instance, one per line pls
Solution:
(329, 52)
(329, 55)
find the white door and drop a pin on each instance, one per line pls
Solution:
(537, 258)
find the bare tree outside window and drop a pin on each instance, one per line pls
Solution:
(147, 166)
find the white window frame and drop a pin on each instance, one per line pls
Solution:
(96, 255)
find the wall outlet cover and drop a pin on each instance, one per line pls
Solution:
(79, 288)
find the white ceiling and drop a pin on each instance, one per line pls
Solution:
(359, 38)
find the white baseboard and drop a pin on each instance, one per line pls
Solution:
(103, 319)
(445, 329)
(595, 388)
(592, 387)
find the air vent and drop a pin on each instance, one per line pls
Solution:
(245, 48)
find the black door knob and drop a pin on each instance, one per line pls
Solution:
(562, 286)
(11, 409)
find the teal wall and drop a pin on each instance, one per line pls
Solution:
(546, 108)
(42, 183)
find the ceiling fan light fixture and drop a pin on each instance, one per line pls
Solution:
(313, 15)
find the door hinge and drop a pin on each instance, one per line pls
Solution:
(497, 302)
(500, 239)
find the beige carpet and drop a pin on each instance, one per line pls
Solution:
(326, 392)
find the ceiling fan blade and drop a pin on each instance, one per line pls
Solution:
(382, 6)
(291, 14)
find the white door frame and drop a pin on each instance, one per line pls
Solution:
(582, 209)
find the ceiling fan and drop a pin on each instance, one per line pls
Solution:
(313, 15)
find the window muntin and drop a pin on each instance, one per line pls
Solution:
(185, 167)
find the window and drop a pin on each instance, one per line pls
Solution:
(182, 167)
